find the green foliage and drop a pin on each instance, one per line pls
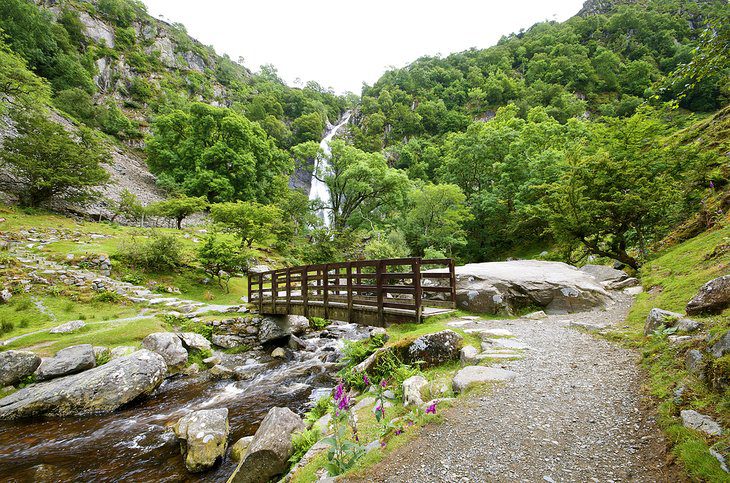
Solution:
(197, 356)
(103, 357)
(107, 296)
(128, 206)
(250, 221)
(178, 208)
(18, 85)
(323, 406)
(158, 253)
(44, 163)
(318, 323)
(309, 127)
(220, 257)
(302, 442)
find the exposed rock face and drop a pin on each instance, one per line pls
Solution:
(170, 347)
(713, 297)
(297, 324)
(473, 375)
(511, 286)
(700, 422)
(412, 391)
(272, 329)
(659, 317)
(435, 349)
(722, 346)
(67, 361)
(15, 365)
(270, 449)
(203, 437)
(97, 390)
(122, 350)
(193, 340)
(228, 341)
(604, 273)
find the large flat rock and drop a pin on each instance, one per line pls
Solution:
(495, 287)
(96, 390)
(474, 375)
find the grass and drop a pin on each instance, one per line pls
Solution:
(670, 279)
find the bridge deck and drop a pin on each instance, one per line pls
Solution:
(368, 292)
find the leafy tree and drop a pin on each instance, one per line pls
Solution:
(309, 127)
(45, 163)
(252, 222)
(128, 206)
(18, 86)
(436, 218)
(178, 208)
(220, 258)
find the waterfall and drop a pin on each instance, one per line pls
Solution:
(319, 190)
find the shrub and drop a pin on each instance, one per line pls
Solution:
(302, 442)
(318, 323)
(160, 253)
(107, 296)
(321, 407)
(6, 326)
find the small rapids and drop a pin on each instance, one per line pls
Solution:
(136, 443)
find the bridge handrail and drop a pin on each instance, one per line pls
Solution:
(323, 282)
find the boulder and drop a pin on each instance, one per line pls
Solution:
(297, 324)
(700, 422)
(659, 317)
(722, 346)
(203, 437)
(468, 355)
(239, 448)
(412, 391)
(604, 273)
(212, 361)
(629, 282)
(122, 351)
(5, 296)
(98, 390)
(270, 449)
(228, 341)
(693, 361)
(435, 349)
(473, 375)
(278, 353)
(68, 327)
(15, 365)
(712, 298)
(515, 285)
(67, 361)
(272, 329)
(221, 372)
(379, 332)
(170, 347)
(193, 340)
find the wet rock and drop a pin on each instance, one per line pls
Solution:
(272, 329)
(659, 317)
(270, 449)
(693, 361)
(474, 375)
(295, 343)
(239, 448)
(68, 327)
(221, 372)
(412, 391)
(228, 341)
(122, 351)
(700, 422)
(97, 390)
(468, 355)
(435, 349)
(170, 347)
(203, 437)
(511, 286)
(15, 365)
(278, 353)
(67, 361)
(722, 346)
(297, 324)
(192, 369)
(212, 361)
(712, 298)
(193, 340)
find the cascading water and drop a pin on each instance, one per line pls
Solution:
(319, 190)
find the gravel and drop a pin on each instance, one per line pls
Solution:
(573, 413)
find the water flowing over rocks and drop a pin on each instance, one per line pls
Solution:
(512, 286)
(712, 298)
(97, 390)
(203, 437)
(67, 361)
(15, 365)
(170, 347)
(270, 449)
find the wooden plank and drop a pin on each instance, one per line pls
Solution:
(349, 292)
(379, 293)
(418, 295)
(452, 272)
(305, 292)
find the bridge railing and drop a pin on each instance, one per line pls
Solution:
(397, 285)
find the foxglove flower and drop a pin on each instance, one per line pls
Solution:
(339, 391)
(431, 409)
(365, 379)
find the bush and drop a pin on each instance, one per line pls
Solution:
(6, 326)
(302, 442)
(160, 253)
(107, 296)
(321, 407)
(318, 323)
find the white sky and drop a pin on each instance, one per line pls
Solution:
(342, 44)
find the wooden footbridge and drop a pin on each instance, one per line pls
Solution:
(367, 292)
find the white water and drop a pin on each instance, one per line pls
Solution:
(318, 189)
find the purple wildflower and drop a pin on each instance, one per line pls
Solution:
(339, 391)
(398, 432)
(383, 383)
(431, 409)
(712, 185)
(365, 379)
(382, 444)
(410, 423)
(344, 402)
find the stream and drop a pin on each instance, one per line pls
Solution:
(318, 189)
(136, 443)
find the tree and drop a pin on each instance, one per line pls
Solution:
(18, 85)
(362, 187)
(219, 258)
(179, 208)
(44, 163)
(251, 221)
(309, 127)
(436, 218)
(128, 206)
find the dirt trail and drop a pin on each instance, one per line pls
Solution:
(573, 413)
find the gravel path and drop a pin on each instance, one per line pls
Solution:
(573, 413)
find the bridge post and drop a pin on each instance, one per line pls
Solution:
(379, 273)
(452, 280)
(261, 293)
(349, 292)
(288, 290)
(274, 291)
(325, 286)
(305, 292)
(417, 293)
